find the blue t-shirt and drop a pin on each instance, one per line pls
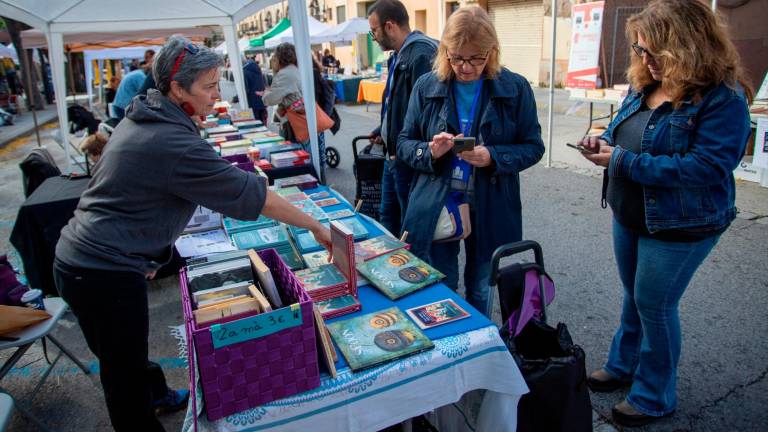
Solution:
(464, 94)
(129, 87)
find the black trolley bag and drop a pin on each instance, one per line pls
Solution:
(551, 364)
(368, 169)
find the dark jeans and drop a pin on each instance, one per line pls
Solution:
(119, 112)
(260, 114)
(111, 308)
(395, 188)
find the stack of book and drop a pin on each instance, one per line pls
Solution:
(311, 209)
(356, 226)
(333, 286)
(232, 226)
(377, 246)
(270, 237)
(224, 286)
(289, 158)
(303, 182)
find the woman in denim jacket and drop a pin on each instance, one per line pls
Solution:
(670, 155)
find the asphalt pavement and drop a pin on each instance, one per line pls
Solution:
(722, 377)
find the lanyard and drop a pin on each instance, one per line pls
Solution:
(466, 127)
(387, 87)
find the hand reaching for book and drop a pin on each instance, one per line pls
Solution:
(323, 236)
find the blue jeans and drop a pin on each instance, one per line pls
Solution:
(395, 188)
(646, 347)
(445, 257)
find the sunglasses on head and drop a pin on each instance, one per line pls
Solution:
(190, 48)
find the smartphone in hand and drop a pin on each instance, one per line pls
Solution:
(462, 144)
(580, 148)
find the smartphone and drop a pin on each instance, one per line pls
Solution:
(462, 144)
(580, 148)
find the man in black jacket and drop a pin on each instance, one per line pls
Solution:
(254, 88)
(412, 57)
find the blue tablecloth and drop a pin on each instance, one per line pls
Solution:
(468, 355)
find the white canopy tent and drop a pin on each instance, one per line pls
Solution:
(315, 28)
(36, 38)
(243, 44)
(344, 32)
(59, 19)
(106, 54)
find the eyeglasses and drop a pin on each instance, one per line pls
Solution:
(190, 48)
(372, 31)
(640, 50)
(473, 61)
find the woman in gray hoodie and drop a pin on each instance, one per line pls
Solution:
(147, 184)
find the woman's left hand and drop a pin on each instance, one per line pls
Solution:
(479, 156)
(603, 158)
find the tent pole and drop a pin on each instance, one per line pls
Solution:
(714, 5)
(298, 12)
(552, 84)
(56, 50)
(233, 52)
(28, 78)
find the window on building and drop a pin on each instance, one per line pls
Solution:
(421, 20)
(341, 14)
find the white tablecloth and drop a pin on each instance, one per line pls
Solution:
(375, 398)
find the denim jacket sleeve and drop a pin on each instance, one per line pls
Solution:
(411, 147)
(527, 147)
(714, 152)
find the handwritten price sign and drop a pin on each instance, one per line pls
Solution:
(256, 326)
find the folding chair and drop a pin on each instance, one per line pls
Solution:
(24, 340)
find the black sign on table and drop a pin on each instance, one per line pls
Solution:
(38, 227)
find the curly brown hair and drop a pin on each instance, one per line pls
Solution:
(285, 54)
(690, 44)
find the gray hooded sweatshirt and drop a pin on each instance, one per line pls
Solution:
(153, 173)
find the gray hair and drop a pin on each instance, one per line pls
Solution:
(190, 68)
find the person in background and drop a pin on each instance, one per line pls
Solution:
(149, 81)
(286, 85)
(254, 88)
(129, 87)
(111, 91)
(93, 146)
(670, 154)
(150, 179)
(412, 57)
(329, 61)
(469, 94)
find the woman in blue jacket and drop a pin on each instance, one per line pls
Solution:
(468, 94)
(670, 155)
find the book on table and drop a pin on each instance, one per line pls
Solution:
(337, 279)
(303, 182)
(399, 273)
(232, 226)
(378, 337)
(270, 237)
(202, 219)
(377, 246)
(318, 258)
(356, 226)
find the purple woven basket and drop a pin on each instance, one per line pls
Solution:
(237, 158)
(252, 373)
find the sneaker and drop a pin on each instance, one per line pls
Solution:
(626, 415)
(173, 401)
(602, 382)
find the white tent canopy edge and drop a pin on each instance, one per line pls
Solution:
(62, 17)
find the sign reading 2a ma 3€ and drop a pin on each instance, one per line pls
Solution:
(583, 66)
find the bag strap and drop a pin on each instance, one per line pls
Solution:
(604, 192)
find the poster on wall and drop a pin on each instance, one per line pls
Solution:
(583, 62)
(760, 158)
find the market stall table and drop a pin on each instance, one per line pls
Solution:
(346, 88)
(370, 91)
(468, 355)
(592, 102)
(38, 227)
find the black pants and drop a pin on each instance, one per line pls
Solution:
(111, 308)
